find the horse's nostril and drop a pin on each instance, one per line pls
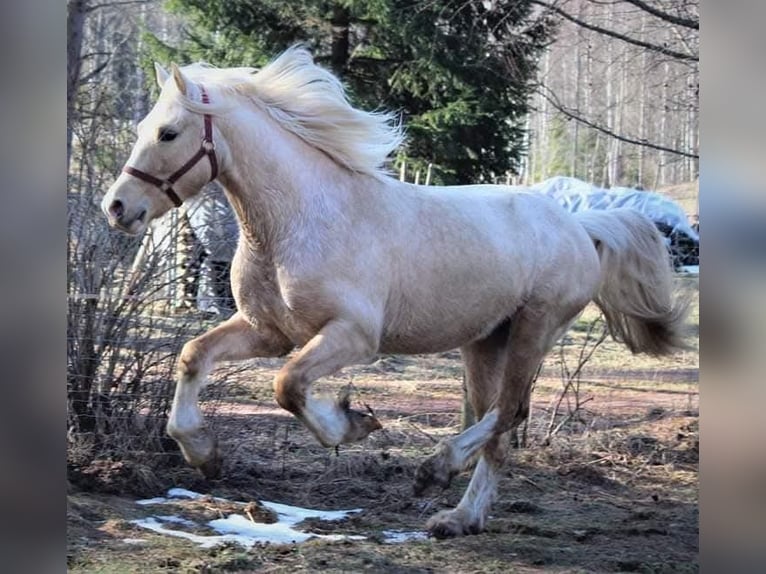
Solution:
(116, 209)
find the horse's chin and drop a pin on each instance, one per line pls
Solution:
(135, 227)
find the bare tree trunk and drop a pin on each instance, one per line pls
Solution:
(341, 24)
(74, 25)
(692, 129)
(617, 161)
(661, 168)
(526, 164)
(576, 127)
(594, 160)
(139, 96)
(591, 167)
(606, 180)
(642, 108)
(542, 133)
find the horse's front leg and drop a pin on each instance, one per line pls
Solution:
(233, 340)
(338, 344)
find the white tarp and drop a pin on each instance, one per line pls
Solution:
(575, 195)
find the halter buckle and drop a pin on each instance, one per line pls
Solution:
(208, 145)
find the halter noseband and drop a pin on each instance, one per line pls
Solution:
(206, 149)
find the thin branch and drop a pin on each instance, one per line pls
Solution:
(673, 19)
(566, 419)
(573, 115)
(95, 72)
(613, 34)
(94, 54)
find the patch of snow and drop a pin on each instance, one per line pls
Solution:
(239, 529)
(176, 493)
(176, 520)
(134, 540)
(155, 500)
(183, 493)
(398, 536)
(294, 514)
(203, 541)
(278, 533)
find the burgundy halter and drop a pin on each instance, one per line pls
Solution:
(206, 149)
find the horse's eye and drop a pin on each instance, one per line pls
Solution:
(167, 135)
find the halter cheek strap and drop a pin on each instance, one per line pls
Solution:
(206, 149)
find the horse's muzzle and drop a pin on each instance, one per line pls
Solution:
(120, 218)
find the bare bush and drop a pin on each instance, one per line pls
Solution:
(121, 342)
(573, 357)
(571, 373)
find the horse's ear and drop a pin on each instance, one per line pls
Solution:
(161, 74)
(179, 78)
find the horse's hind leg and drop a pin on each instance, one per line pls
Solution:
(485, 363)
(338, 344)
(532, 335)
(233, 340)
(470, 515)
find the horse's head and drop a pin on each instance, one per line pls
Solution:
(172, 160)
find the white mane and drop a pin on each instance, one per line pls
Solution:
(311, 103)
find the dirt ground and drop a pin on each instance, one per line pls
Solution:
(615, 490)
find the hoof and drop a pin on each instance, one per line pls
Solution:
(433, 471)
(359, 424)
(452, 523)
(211, 468)
(200, 450)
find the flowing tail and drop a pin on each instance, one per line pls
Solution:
(636, 292)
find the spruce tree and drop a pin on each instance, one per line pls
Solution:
(459, 73)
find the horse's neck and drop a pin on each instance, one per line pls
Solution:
(256, 224)
(286, 194)
(282, 200)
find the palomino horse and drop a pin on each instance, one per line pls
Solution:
(345, 262)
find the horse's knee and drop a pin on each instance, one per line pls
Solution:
(513, 412)
(184, 420)
(174, 431)
(180, 431)
(289, 391)
(191, 360)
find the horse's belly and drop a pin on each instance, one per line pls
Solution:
(394, 345)
(443, 329)
(407, 345)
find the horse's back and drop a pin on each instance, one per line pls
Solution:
(474, 256)
(500, 227)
